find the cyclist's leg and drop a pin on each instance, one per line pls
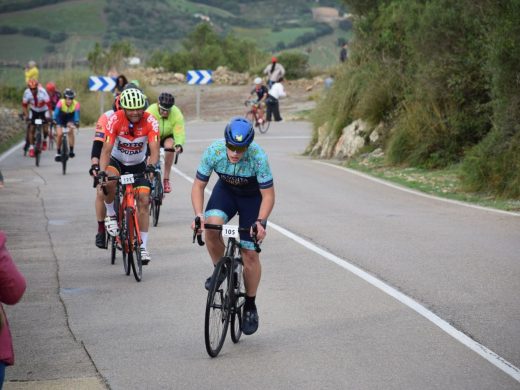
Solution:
(66, 122)
(100, 216)
(142, 193)
(220, 209)
(32, 128)
(113, 169)
(168, 157)
(248, 208)
(59, 136)
(72, 132)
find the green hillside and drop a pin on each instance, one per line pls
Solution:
(64, 30)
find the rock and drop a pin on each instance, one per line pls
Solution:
(352, 140)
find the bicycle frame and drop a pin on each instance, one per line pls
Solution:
(131, 238)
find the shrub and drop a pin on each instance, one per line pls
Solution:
(296, 64)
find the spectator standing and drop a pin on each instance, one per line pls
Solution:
(120, 84)
(31, 71)
(343, 54)
(274, 72)
(276, 92)
(12, 287)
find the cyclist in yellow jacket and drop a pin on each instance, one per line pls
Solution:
(173, 134)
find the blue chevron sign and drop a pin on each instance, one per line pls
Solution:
(199, 77)
(101, 83)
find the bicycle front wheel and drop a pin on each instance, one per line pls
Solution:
(134, 246)
(126, 247)
(38, 146)
(217, 311)
(239, 300)
(157, 195)
(263, 126)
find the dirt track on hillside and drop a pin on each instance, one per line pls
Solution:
(220, 102)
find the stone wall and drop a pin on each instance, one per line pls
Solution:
(11, 126)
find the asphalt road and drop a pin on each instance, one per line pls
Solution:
(430, 276)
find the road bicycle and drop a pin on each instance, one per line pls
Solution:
(256, 115)
(65, 146)
(226, 294)
(38, 140)
(157, 192)
(129, 232)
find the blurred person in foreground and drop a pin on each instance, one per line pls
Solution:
(12, 288)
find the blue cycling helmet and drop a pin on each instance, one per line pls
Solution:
(239, 132)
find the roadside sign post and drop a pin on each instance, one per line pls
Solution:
(198, 78)
(101, 84)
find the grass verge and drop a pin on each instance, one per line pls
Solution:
(444, 183)
(12, 141)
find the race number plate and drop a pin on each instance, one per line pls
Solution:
(127, 179)
(230, 231)
(38, 121)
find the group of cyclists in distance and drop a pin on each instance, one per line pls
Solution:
(128, 138)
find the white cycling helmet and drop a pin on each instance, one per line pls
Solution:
(258, 81)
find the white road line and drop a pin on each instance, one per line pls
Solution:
(480, 349)
(419, 193)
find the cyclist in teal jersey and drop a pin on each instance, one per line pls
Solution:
(245, 186)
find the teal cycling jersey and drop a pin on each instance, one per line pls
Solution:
(246, 177)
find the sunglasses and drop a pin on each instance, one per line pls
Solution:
(236, 149)
(165, 109)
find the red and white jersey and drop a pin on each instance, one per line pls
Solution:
(130, 140)
(101, 125)
(40, 102)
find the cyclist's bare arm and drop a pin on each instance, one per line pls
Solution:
(105, 156)
(197, 198)
(154, 152)
(265, 210)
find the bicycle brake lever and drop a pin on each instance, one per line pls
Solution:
(196, 232)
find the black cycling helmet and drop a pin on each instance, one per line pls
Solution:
(166, 101)
(69, 93)
(239, 132)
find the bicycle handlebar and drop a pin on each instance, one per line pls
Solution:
(174, 151)
(211, 226)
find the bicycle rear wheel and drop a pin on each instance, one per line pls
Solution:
(239, 300)
(64, 154)
(217, 311)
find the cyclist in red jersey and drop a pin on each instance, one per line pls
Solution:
(129, 132)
